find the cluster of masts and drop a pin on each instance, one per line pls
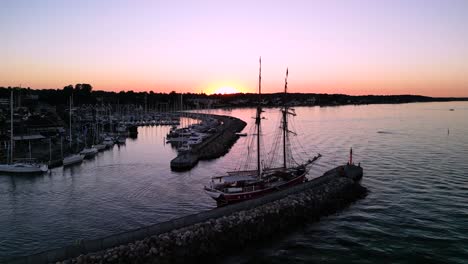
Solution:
(99, 142)
(284, 124)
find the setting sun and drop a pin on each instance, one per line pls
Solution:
(226, 90)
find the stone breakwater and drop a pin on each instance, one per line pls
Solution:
(233, 231)
(220, 143)
(213, 147)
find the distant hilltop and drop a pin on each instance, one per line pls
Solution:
(84, 94)
(313, 99)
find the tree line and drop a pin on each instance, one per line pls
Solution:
(83, 93)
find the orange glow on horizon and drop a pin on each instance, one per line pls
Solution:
(441, 89)
(223, 87)
(226, 90)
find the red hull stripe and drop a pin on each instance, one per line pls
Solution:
(243, 196)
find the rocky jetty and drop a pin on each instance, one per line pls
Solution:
(213, 147)
(225, 234)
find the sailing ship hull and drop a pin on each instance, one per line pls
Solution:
(223, 198)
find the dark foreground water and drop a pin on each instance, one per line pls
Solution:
(415, 158)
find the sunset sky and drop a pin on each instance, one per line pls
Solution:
(351, 47)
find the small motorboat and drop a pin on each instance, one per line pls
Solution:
(108, 141)
(100, 147)
(121, 140)
(89, 152)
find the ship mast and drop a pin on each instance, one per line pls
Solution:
(258, 118)
(285, 119)
(70, 119)
(11, 126)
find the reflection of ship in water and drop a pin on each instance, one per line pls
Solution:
(242, 185)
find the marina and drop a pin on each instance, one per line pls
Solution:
(92, 129)
(214, 146)
(175, 132)
(131, 186)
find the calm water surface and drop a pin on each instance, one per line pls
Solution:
(415, 158)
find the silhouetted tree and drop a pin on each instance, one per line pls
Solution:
(78, 87)
(68, 90)
(86, 88)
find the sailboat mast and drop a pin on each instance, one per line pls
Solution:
(11, 126)
(70, 120)
(285, 119)
(258, 118)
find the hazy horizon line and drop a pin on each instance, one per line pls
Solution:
(239, 93)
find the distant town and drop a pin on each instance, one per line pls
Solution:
(46, 112)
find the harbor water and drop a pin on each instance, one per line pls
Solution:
(415, 158)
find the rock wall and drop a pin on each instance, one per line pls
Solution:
(214, 147)
(219, 230)
(227, 233)
(221, 144)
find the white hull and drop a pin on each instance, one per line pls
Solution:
(122, 129)
(109, 142)
(23, 168)
(89, 152)
(73, 159)
(99, 147)
(177, 139)
(215, 194)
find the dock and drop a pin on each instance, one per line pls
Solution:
(213, 147)
(184, 161)
(222, 230)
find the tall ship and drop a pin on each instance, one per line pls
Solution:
(241, 185)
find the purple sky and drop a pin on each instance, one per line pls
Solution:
(353, 47)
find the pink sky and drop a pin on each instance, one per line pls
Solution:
(351, 47)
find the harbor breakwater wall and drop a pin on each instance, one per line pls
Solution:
(213, 147)
(221, 230)
(219, 144)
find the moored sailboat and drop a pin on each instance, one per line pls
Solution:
(237, 186)
(73, 159)
(20, 167)
(89, 152)
(26, 168)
